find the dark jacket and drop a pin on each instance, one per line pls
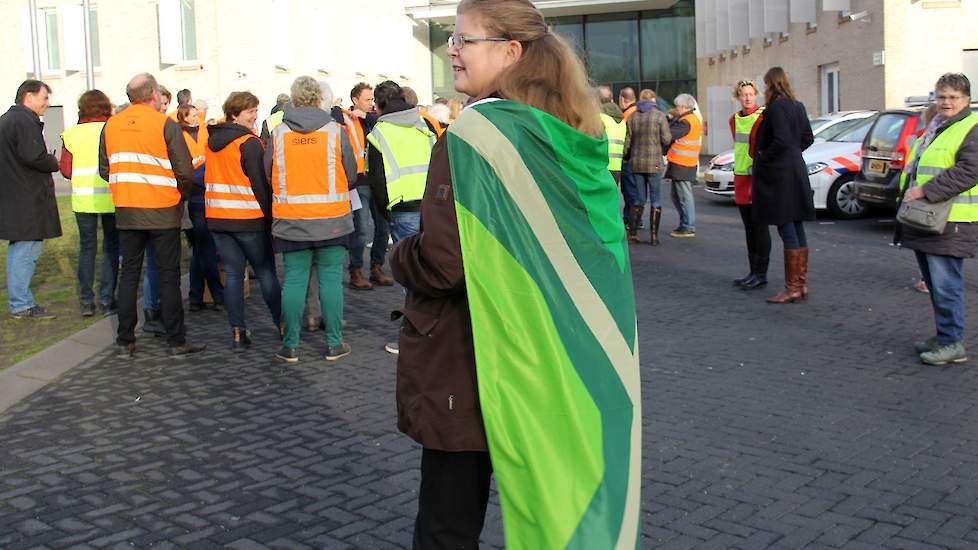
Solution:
(959, 239)
(611, 109)
(679, 128)
(183, 170)
(402, 114)
(781, 192)
(252, 157)
(197, 189)
(646, 138)
(437, 395)
(28, 209)
(293, 235)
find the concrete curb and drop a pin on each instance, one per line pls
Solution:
(35, 372)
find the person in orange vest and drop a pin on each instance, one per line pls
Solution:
(312, 168)
(684, 159)
(144, 157)
(626, 100)
(238, 204)
(203, 251)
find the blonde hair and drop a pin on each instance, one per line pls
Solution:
(646, 95)
(743, 84)
(549, 75)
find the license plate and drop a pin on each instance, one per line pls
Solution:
(708, 177)
(877, 166)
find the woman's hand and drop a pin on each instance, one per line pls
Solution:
(913, 194)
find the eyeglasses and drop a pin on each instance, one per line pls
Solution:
(950, 98)
(458, 41)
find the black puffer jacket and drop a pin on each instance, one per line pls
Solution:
(959, 239)
(28, 209)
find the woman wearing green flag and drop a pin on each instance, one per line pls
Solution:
(518, 350)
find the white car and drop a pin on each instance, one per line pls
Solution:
(833, 162)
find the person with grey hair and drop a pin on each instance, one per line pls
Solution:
(608, 106)
(143, 156)
(311, 166)
(943, 166)
(684, 158)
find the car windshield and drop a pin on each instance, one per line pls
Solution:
(835, 130)
(818, 124)
(854, 133)
(886, 132)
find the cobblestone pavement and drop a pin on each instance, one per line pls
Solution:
(802, 426)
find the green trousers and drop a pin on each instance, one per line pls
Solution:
(329, 266)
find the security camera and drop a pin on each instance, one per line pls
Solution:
(858, 16)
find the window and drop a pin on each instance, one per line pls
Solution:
(178, 31)
(611, 43)
(53, 59)
(73, 25)
(830, 88)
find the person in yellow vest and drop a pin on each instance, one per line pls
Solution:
(743, 127)
(238, 203)
(204, 268)
(398, 152)
(616, 144)
(144, 157)
(91, 199)
(684, 159)
(647, 137)
(274, 117)
(311, 167)
(943, 165)
(411, 98)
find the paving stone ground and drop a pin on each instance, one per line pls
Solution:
(804, 426)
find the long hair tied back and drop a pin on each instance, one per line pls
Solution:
(549, 75)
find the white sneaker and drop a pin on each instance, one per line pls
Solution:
(391, 347)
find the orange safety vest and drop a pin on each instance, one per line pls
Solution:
(140, 174)
(685, 151)
(197, 148)
(439, 129)
(354, 130)
(628, 112)
(227, 190)
(308, 179)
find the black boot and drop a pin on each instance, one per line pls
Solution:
(751, 260)
(153, 322)
(634, 216)
(758, 278)
(654, 222)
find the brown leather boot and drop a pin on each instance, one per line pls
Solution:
(654, 220)
(634, 218)
(377, 276)
(803, 274)
(793, 262)
(358, 281)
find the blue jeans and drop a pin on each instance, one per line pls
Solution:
(361, 222)
(203, 258)
(682, 199)
(944, 276)
(21, 260)
(648, 187)
(255, 247)
(627, 187)
(404, 224)
(88, 250)
(151, 283)
(793, 235)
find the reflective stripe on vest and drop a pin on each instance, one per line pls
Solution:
(354, 130)
(227, 189)
(89, 192)
(308, 179)
(743, 126)
(685, 151)
(407, 152)
(940, 155)
(616, 141)
(140, 173)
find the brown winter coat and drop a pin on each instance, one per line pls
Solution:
(437, 395)
(646, 140)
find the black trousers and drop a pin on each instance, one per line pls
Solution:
(165, 245)
(758, 238)
(452, 501)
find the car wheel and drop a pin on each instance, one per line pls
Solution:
(842, 200)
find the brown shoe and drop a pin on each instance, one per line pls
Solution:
(795, 274)
(377, 276)
(358, 281)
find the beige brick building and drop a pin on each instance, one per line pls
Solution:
(870, 54)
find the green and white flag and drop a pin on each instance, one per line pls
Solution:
(553, 318)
